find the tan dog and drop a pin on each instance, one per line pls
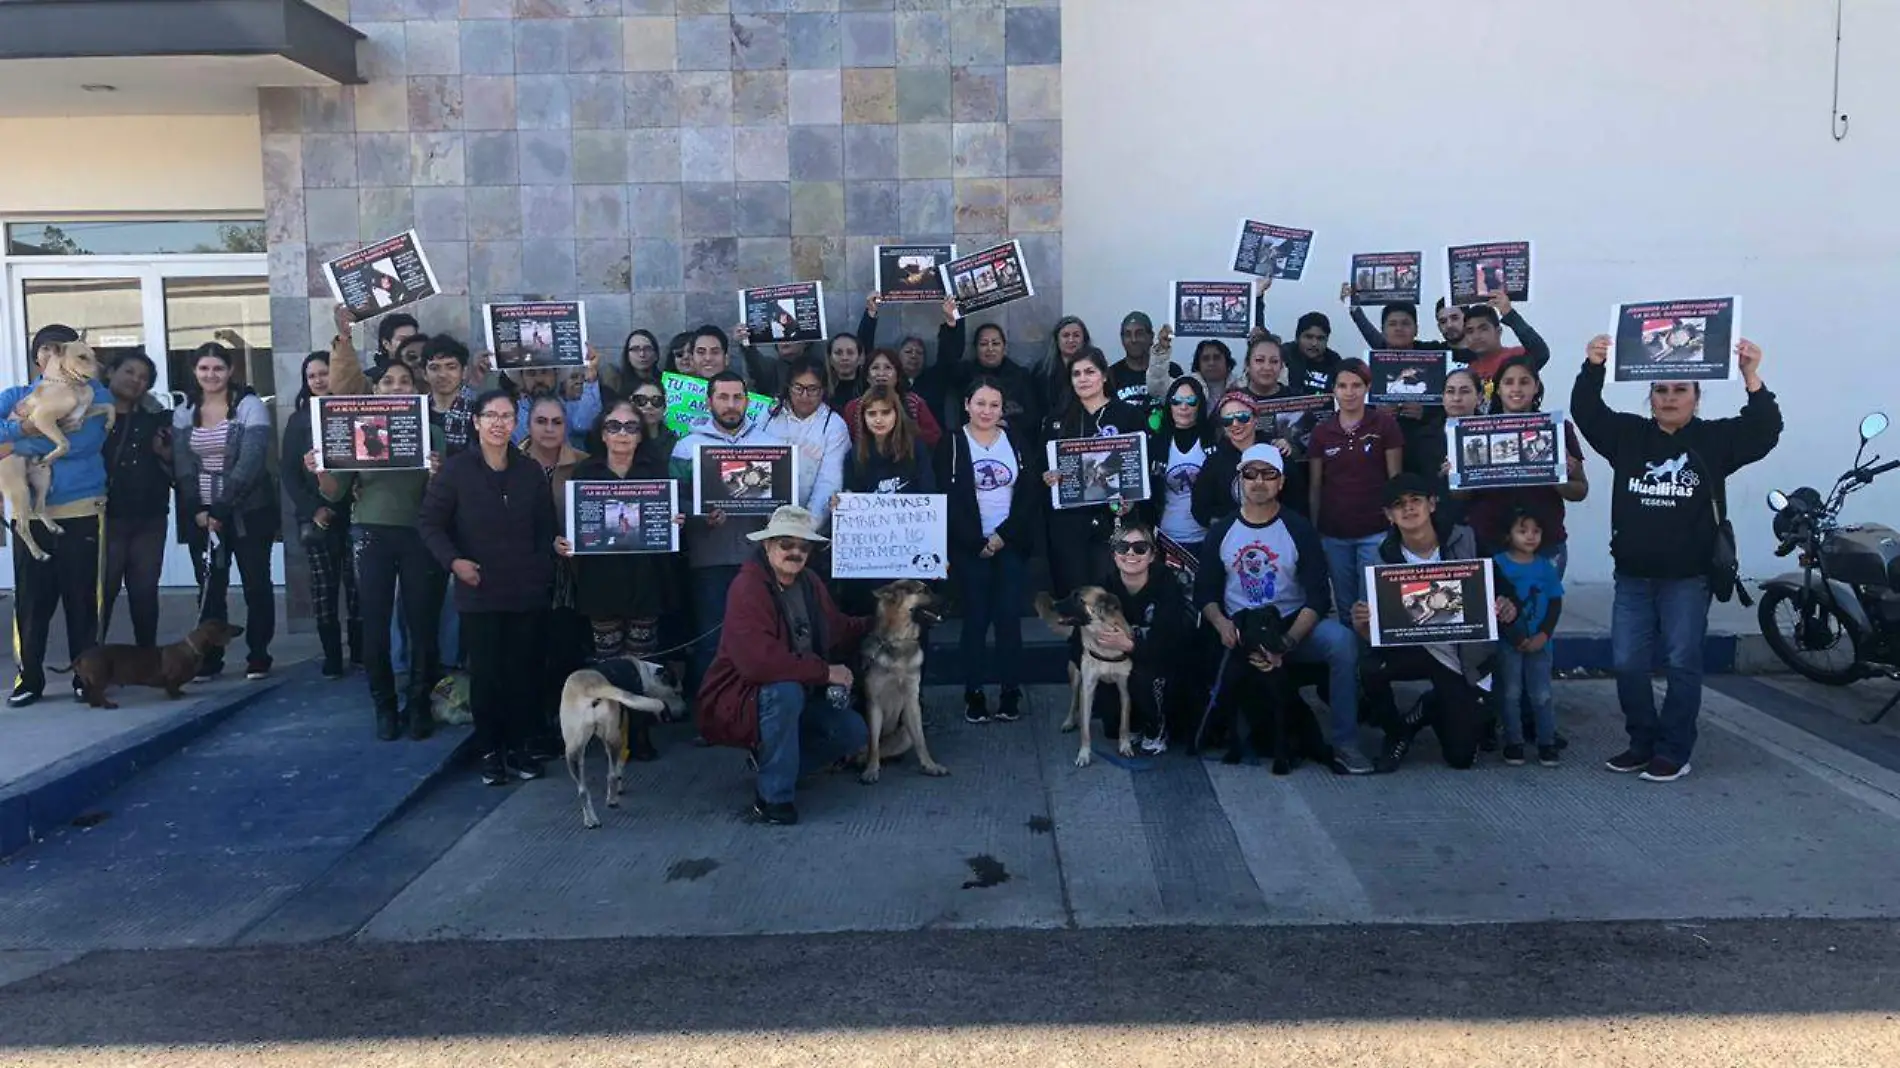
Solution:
(1092, 610)
(591, 707)
(59, 405)
(168, 667)
(894, 676)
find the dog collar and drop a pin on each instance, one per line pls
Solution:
(195, 651)
(1106, 659)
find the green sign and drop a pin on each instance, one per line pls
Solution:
(686, 409)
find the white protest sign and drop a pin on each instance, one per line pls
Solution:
(889, 536)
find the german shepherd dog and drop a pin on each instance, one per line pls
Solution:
(893, 676)
(593, 707)
(1092, 611)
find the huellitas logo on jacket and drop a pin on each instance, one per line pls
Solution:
(1664, 482)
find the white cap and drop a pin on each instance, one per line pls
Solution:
(1262, 454)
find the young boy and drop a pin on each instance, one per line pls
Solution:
(1530, 582)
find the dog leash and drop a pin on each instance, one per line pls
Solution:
(1213, 698)
(688, 644)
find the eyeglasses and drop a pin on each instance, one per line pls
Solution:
(1259, 474)
(646, 401)
(496, 417)
(1187, 399)
(1236, 419)
(807, 391)
(641, 348)
(616, 426)
(1133, 548)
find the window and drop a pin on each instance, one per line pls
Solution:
(121, 238)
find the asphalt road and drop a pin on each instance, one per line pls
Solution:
(1787, 994)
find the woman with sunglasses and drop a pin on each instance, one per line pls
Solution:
(884, 368)
(1177, 451)
(1078, 537)
(1217, 487)
(1161, 629)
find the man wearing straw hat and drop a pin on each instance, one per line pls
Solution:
(777, 684)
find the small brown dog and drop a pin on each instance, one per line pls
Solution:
(59, 405)
(168, 666)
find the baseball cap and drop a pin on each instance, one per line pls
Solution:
(1140, 317)
(1262, 454)
(1409, 484)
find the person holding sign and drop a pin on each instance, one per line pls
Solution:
(1353, 452)
(1484, 350)
(888, 457)
(994, 503)
(1519, 388)
(1425, 448)
(387, 548)
(1457, 714)
(1667, 494)
(885, 368)
(323, 527)
(1078, 537)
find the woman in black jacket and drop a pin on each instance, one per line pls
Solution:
(322, 527)
(1022, 413)
(489, 519)
(138, 459)
(1078, 537)
(1178, 449)
(994, 506)
(1156, 607)
(887, 457)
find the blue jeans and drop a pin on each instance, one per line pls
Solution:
(448, 635)
(800, 733)
(1346, 562)
(1672, 614)
(1333, 644)
(1525, 678)
(992, 592)
(709, 586)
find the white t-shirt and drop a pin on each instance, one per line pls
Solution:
(1442, 652)
(1262, 567)
(1177, 511)
(996, 473)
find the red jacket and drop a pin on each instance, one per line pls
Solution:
(755, 651)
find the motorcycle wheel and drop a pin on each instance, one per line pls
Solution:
(1813, 638)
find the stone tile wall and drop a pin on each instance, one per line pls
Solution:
(652, 156)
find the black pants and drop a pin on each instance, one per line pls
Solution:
(382, 554)
(1457, 716)
(566, 648)
(135, 554)
(503, 651)
(1251, 701)
(251, 551)
(67, 579)
(1075, 558)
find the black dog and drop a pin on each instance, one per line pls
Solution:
(1255, 714)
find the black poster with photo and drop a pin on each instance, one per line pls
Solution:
(546, 334)
(790, 314)
(1492, 451)
(625, 516)
(1092, 471)
(1386, 278)
(1477, 271)
(743, 479)
(1676, 340)
(383, 277)
(1425, 604)
(912, 274)
(370, 433)
(1270, 251)
(987, 279)
(1212, 309)
(1408, 376)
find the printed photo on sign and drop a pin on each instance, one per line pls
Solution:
(1426, 604)
(1407, 376)
(383, 277)
(545, 334)
(1270, 251)
(743, 479)
(987, 279)
(1095, 471)
(370, 433)
(1386, 278)
(784, 315)
(889, 536)
(630, 516)
(912, 273)
(1676, 340)
(686, 408)
(1520, 449)
(1212, 309)
(1477, 271)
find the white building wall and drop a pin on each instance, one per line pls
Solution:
(1650, 148)
(159, 164)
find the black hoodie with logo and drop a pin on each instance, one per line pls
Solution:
(1662, 514)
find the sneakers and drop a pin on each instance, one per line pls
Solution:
(1392, 753)
(494, 771)
(1348, 761)
(1626, 762)
(975, 708)
(777, 814)
(1550, 756)
(1010, 708)
(522, 766)
(1155, 744)
(1660, 770)
(256, 669)
(1514, 754)
(22, 697)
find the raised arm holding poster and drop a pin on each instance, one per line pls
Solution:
(383, 277)
(686, 409)
(1092, 471)
(1386, 278)
(1477, 271)
(743, 479)
(988, 279)
(1270, 251)
(1520, 449)
(910, 274)
(789, 314)
(1211, 309)
(1676, 340)
(539, 334)
(370, 433)
(623, 516)
(1408, 376)
(889, 536)
(1425, 604)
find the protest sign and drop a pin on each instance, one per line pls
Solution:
(1271, 251)
(1386, 278)
(911, 273)
(1521, 449)
(1407, 376)
(623, 516)
(987, 279)
(686, 409)
(789, 314)
(1212, 309)
(1092, 471)
(370, 433)
(383, 277)
(889, 536)
(743, 479)
(1477, 271)
(1676, 340)
(539, 334)
(1425, 604)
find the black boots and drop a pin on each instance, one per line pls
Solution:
(331, 636)
(387, 727)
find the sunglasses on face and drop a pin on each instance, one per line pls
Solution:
(790, 546)
(1185, 399)
(616, 426)
(644, 401)
(1236, 419)
(1260, 474)
(1132, 548)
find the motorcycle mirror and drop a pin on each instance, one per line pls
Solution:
(1777, 500)
(1872, 426)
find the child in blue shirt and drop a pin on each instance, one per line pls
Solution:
(1524, 663)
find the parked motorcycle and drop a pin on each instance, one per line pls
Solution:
(1837, 620)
